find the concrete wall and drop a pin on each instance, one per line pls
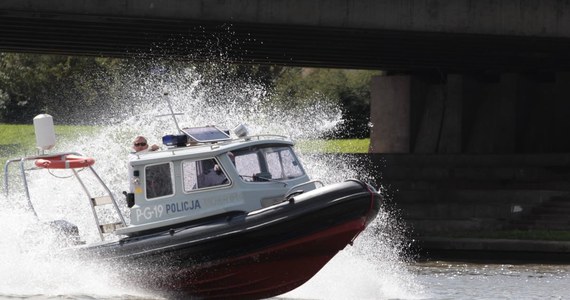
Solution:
(455, 194)
(506, 17)
(390, 114)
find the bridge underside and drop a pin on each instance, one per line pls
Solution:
(278, 44)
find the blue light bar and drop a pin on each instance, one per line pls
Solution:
(176, 140)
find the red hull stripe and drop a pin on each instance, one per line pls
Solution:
(271, 271)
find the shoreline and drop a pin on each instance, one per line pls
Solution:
(478, 250)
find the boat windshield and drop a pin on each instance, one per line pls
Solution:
(259, 164)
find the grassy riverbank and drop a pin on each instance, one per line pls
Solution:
(17, 139)
(13, 138)
(334, 146)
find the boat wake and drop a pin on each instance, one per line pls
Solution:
(29, 270)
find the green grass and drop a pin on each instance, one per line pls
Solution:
(334, 146)
(14, 137)
(17, 139)
(20, 140)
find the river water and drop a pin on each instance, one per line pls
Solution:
(374, 268)
(350, 275)
(445, 280)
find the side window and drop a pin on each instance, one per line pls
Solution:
(274, 165)
(282, 164)
(247, 165)
(189, 175)
(205, 173)
(159, 181)
(291, 167)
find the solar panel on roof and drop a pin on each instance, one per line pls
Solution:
(206, 134)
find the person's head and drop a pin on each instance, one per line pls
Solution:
(140, 144)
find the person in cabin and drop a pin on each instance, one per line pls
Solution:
(214, 176)
(140, 145)
(211, 174)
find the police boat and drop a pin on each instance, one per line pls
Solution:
(211, 215)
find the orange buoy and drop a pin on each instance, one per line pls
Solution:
(64, 162)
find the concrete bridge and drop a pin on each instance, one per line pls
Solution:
(475, 107)
(433, 35)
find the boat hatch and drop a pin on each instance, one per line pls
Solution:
(194, 135)
(206, 134)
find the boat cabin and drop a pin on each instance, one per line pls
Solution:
(205, 176)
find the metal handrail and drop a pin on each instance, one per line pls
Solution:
(302, 184)
(23, 175)
(27, 192)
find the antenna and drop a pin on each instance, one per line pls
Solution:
(172, 113)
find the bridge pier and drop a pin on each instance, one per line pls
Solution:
(390, 114)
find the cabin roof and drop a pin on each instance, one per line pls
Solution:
(204, 150)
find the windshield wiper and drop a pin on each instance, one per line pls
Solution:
(255, 177)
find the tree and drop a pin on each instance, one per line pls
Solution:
(63, 86)
(74, 88)
(350, 89)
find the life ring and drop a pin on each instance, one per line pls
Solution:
(64, 162)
